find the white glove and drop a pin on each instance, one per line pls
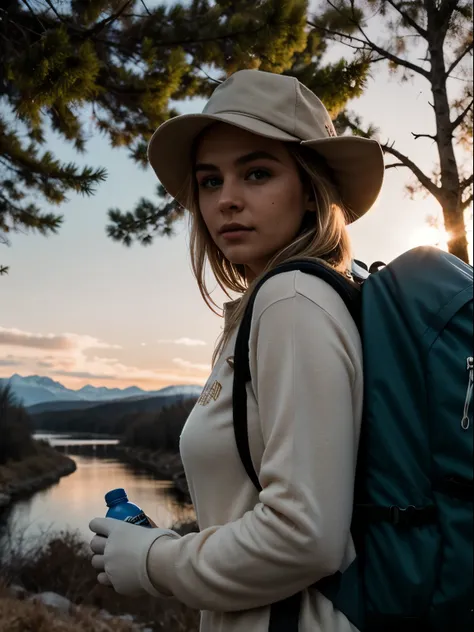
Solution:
(121, 552)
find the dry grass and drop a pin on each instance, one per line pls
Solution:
(19, 615)
(61, 564)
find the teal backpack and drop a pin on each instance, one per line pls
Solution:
(413, 509)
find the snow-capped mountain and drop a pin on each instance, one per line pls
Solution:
(99, 393)
(36, 389)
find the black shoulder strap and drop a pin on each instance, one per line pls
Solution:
(284, 615)
(349, 294)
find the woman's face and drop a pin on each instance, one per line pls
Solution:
(250, 194)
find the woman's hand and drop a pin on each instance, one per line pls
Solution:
(120, 554)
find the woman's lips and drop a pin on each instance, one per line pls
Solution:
(236, 234)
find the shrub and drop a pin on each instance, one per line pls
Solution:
(15, 428)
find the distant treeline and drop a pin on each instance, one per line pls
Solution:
(160, 430)
(110, 418)
(16, 441)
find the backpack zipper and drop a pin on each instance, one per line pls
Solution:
(470, 387)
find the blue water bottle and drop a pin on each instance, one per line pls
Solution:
(121, 508)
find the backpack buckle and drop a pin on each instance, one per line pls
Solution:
(401, 515)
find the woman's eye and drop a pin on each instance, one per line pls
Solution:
(259, 174)
(210, 183)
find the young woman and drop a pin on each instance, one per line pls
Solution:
(265, 179)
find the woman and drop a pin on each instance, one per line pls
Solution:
(265, 180)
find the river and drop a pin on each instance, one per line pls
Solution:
(75, 499)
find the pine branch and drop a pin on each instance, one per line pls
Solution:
(458, 60)
(145, 221)
(420, 30)
(459, 119)
(29, 217)
(422, 177)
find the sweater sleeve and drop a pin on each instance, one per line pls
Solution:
(298, 531)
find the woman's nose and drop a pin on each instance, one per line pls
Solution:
(230, 198)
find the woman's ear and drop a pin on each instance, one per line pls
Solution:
(310, 203)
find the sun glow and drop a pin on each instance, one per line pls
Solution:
(430, 236)
(433, 233)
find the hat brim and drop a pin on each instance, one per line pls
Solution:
(357, 163)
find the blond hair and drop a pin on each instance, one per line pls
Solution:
(323, 235)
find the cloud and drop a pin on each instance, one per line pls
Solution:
(75, 356)
(52, 342)
(134, 374)
(191, 366)
(45, 364)
(85, 374)
(187, 342)
(11, 361)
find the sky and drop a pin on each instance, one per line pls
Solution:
(82, 309)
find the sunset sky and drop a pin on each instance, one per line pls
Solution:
(80, 308)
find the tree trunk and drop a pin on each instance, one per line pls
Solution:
(456, 227)
(450, 190)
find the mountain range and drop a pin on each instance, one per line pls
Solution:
(38, 391)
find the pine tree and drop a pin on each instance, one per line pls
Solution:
(117, 63)
(432, 39)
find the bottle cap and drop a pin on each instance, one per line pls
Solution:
(115, 496)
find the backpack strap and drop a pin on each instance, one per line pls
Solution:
(284, 615)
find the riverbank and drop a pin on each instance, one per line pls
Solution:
(165, 465)
(43, 467)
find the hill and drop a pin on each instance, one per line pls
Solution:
(108, 417)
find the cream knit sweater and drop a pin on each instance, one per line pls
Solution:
(304, 411)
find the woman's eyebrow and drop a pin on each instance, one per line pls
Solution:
(254, 155)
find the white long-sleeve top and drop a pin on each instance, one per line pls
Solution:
(304, 415)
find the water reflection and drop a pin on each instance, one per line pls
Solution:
(75, 499)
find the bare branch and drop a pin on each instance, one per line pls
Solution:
(458, 60)
(417, 136)
(467, 202)
(207, 75)
(53, 9)
(145, 7)
(368, 44)
(422, 177)
(446, 10)
(466, 182)
(394, 164)
(458, 120)
(421, 31)
(33, 13)
(100, 26)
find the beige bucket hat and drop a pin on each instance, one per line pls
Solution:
(279, 107)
